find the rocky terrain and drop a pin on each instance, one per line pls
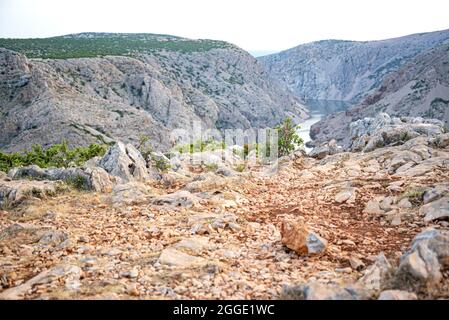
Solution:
(104, 87)
(346, 70)
(419, 88)
(348, 225)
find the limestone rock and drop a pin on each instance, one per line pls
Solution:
(397, 295)
(177, 258)
(318, 291)
(14, 192)
(347, 195)
(435, 193)
(435, 210)
(376, 275)
(373, 207)
(131, 193)
(421, 266)
(70, 272)
(298, 238)
(178, 199)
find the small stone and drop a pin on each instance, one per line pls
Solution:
(396, 221)
(298, 238)
(373, 207)
(132, 290)
(347, 195)
(405, 203)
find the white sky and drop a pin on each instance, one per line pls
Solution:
(254, 25)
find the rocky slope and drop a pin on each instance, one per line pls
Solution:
(151, 85)
(346, 70)
(350, 226)
(419, 88)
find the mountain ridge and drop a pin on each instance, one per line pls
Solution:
(344, 69)
(107, 97)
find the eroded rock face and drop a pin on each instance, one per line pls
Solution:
(419, 88)
(338, 70)
(119, 98)
(298, 238)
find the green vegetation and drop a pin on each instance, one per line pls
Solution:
(78, 182)
(144, 146)
(146, 150)
(200, 146)
(58, 155)
(414, 194)
(211, 167)
(162, 165)
(97, 45)
(288, 139)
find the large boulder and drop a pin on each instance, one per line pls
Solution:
(131, 193)
(14, 192)
(378, 274)
(324, 150)
(126, 163)
(88, 178)
(435, 210)
(422, 266)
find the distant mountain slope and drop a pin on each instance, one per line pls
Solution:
(346, 70)
(132, 92)
(419, 88)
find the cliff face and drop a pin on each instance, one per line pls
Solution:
(346, 70)
(419, 88)
(90, 99)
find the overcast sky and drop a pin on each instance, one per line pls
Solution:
(254, 25)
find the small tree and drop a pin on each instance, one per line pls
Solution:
(288, 139)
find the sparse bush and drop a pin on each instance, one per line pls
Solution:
(201, 146)
(78, 182)
(144, 146)
(240, 167)
(211, 166)
(162, 165)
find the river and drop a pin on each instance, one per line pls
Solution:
(318, 110)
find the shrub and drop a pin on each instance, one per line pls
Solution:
(58, 155)
(162, 165)
(201, 146)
